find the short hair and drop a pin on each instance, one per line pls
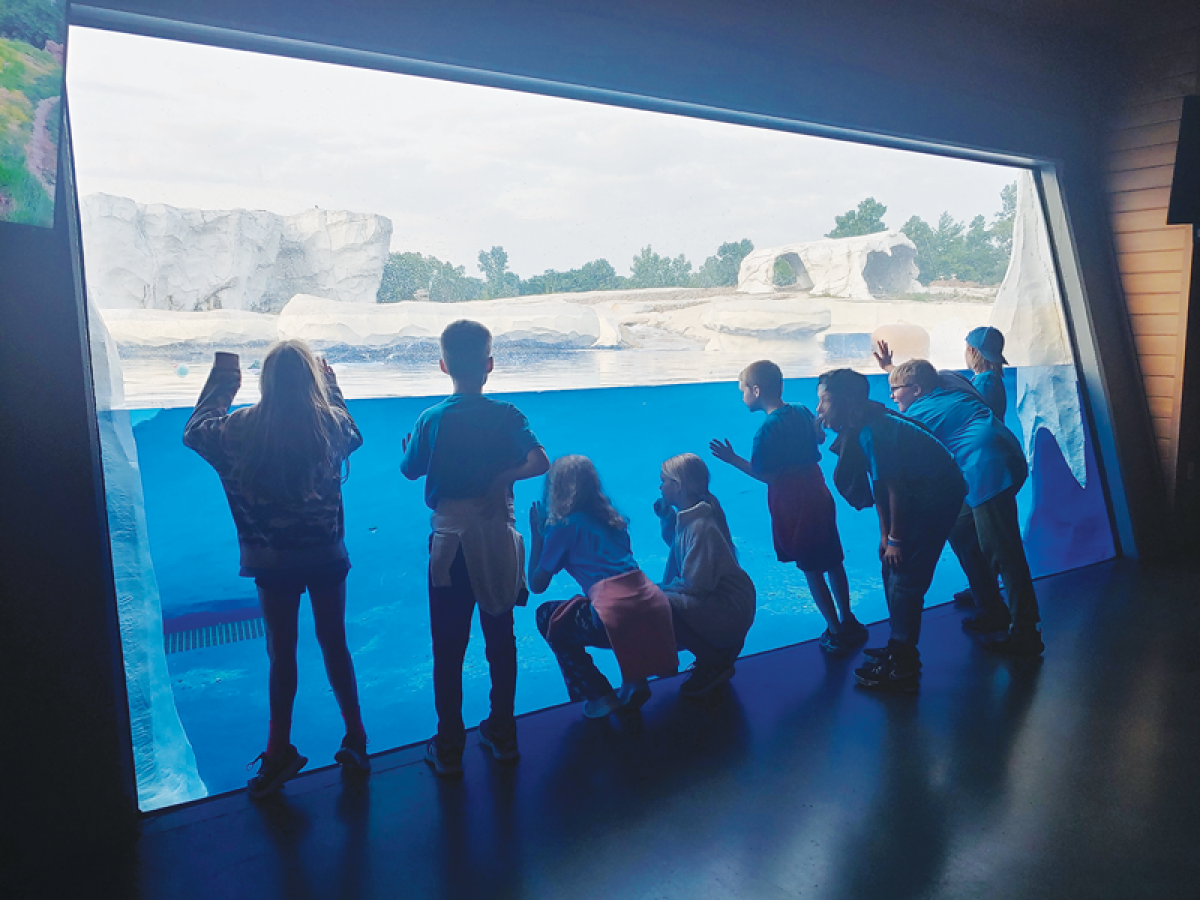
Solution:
(466, 346)
(846, 384)
(764, 375)
(919, 372)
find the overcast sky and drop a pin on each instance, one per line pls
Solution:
(460, 168)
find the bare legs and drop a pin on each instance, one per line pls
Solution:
(832, 599)
(281, 609)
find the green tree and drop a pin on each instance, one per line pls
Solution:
(1002, 228)
(406, 273)
(649, 270)
(967, 251)
(494, 266)
(867, 219)
(721, 270)
(33, 21)
(784, 273)
(597, 275)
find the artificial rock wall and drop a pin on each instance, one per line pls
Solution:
(139, 256)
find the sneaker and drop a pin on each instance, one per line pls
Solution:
(272, 773)
(878, 653)
(352, 755)
(703, 680)
(891, 675)
(634, 696)
(503, 744)
(445, 760)
(1016, 643)
(833, 644)
(854, 633)
(988, 622)
(602, 706)
(965, 599)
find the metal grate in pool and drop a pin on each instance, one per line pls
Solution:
(214, 635)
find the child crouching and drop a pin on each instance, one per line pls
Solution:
(577, 528)
(711, 596)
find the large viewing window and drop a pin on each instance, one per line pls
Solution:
(629, 264)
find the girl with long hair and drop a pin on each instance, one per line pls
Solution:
(577, 528)
(281, 464)
(711, 596)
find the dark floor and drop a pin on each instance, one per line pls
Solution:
(1072, 777)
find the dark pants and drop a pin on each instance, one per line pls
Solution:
(708, 656)
(450, 611)
(964, 540)
(582, 629)
(925, 535)
(1000, 541)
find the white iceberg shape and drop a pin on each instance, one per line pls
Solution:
(535, 321)
(154, 256)
(163, 757)
(1028, 311)
(856, 268)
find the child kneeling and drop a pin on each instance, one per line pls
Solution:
(577, 528)
(712, 598)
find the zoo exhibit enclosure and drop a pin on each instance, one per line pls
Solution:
(167, 287)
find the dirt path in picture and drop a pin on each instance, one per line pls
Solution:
(41, 153)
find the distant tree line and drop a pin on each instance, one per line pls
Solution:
(405, 274)
(33, 21)
(968, 251)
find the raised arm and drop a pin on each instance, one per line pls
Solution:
(723, 450)
(353, 436)
(203, 430)
(539, 578)
(883, 356)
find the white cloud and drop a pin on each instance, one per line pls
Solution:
(459, 168)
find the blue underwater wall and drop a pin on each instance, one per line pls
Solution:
(221, 691)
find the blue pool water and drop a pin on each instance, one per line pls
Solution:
(627, 432)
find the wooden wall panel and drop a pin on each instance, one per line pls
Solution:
(1161, 65)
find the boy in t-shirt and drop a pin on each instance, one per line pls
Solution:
(896, 465)
(803, 517)
(470, 449)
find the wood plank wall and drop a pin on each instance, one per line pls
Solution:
(1161, 65)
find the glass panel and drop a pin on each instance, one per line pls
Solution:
(629, 265)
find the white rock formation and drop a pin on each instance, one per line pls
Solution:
(159, 257)
(1028, 310)
(855, 268)
(163, 756)
(220, 328)
(529, 321)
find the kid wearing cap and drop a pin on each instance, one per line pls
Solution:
(985, 359)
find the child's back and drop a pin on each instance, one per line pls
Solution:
(463, 443)
(470, 449)
(787, 441)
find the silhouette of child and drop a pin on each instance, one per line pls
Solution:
(280, 462)
(803, 516)
(470, 450)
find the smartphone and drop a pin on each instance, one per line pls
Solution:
(226, 361)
